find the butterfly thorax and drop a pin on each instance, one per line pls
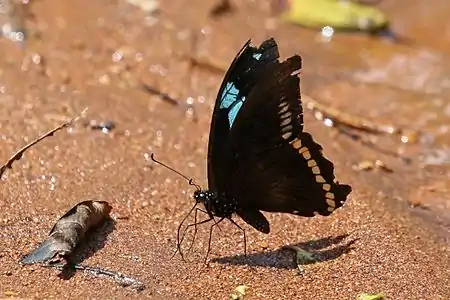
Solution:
(216, 205)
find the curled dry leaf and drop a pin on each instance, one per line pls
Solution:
(69, 231)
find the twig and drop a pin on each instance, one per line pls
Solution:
(162, 95)
(339, 117)
(121, 279)
(220, 8)
(19, 153)
(368, 143)
(211, 66)
(189, 108)
(118, 277)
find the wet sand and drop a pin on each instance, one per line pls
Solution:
(374, 244)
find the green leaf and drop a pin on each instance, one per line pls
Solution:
(338, 14)
(365, 296)
(239, 292)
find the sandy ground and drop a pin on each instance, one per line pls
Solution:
(375, 244)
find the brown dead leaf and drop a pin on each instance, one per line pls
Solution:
(69, 231)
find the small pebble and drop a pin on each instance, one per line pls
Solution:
(10, 294)
(104, 79)
(104, 126)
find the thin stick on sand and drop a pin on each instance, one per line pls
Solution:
(18, 154)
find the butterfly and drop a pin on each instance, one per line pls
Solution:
(259, 157)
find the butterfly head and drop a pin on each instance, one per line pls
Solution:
(202, 196)
(208, 199)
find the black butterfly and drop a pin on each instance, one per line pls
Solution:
(259, 157)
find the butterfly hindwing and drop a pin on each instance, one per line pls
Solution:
(283, 180)
(255, 218)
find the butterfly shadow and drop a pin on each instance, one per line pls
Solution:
(323, 249)
(95, 240)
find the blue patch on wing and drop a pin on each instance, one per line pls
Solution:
(229, 95)
(229, 99)
(257, 56)
(232, 114)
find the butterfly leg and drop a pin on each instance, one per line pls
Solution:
(195, 232)
(243, 231)
(178, 233)
(210, 237)
(195, 229)
(195, 226)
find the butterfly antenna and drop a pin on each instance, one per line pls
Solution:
(189, 180)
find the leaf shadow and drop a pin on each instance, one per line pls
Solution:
(95, 240)
(323, 249)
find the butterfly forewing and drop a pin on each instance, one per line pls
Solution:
(242, 75)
